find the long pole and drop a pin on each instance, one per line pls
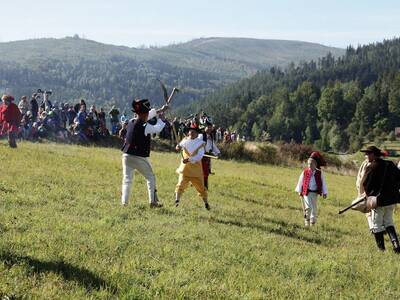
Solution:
(350, 206)
(302, 206)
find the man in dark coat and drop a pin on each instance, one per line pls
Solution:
(382, 179)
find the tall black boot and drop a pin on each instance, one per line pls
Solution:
(379, 238)
(12, 140)
(393, 238)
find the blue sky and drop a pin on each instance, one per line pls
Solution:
(155, 22)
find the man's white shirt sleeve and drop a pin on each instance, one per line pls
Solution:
(299, 186)
(196, 158)
(150, 129)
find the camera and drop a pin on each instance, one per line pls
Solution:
(44, 92)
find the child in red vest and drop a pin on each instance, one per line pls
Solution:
(311, 184)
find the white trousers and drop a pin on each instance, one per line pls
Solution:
(130, 163)
(310, 206)
(382, 217)
(369, 220)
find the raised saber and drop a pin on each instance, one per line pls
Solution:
(168, 101)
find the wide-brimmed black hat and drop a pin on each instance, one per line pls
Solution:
(141, 106)
(374, 150)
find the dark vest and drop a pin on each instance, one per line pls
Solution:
(136, 143)
(205, 139)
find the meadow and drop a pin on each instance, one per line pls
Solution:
(64, 234)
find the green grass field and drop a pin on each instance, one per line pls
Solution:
(63, 233)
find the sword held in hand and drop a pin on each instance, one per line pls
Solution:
(165, 92)
(167, 102)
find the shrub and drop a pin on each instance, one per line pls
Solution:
(391, 136)
(294, 151)
(265, 153)
(332, 160)
(234, 150)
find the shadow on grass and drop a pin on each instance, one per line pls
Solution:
(83, 277)
(328, 230)
(283, 229)
(259, 202)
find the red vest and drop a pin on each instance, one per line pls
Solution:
(12, 116)
(306, 181)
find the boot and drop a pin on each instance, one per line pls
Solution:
(156, 203)
(11, 140)
(380, 242)
(206, 205)
(177, 199)
(393, 238)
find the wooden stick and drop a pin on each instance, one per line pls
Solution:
(211, 156)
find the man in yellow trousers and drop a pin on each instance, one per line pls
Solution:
(190, 169)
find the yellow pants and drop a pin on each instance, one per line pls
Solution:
(197, 182)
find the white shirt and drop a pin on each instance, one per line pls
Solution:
(312, 185)
(191, 145)
(360, 177)
(210, 145)
(150, 129)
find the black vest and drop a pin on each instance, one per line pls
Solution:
(205, 139)
(136, 143)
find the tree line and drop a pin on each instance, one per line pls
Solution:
(334, 103)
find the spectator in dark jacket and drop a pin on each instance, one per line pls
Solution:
(102, 116)
(71, 114)
(34, 107)
(114, 113)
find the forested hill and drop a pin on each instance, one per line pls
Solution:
(336, 103)
(74, 67)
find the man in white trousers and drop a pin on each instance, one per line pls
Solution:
(136, 150)
(361, 191)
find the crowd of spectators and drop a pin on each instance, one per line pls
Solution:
(40, 118)
(179, 126)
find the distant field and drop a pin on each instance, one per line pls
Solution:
(393, 148)
(65, 235)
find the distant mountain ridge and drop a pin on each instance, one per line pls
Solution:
(75, 67)
(263, 52)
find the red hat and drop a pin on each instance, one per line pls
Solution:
(318, 158)
(7, 98)
(194, 126)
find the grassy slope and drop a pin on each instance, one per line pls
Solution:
(64, 234)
